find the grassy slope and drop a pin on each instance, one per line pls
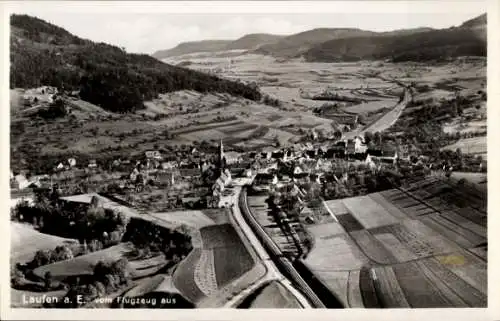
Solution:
(25, 241)
(84, 264)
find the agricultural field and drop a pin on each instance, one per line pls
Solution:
(26, 241)
(475, 145)
(273, 296)
(420, 246)
(208, 274)
(84, 264)
(189, 116)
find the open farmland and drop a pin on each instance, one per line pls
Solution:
(25, 242)
(423, 246)
(189, 116)
(272, 296)
(475, 145)
(157, 283)
(225, 243)
(371, 106)
(208, 276)
(84, 264)
(195, 219)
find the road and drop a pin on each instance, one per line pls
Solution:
(272, 271)
(385, 121)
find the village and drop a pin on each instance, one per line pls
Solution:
(297, 184)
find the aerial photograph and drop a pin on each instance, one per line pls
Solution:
(248, 160)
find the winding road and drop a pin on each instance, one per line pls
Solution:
(385, 121)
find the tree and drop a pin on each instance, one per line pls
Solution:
(368, 137)
(100, 288)
(337, 135)
(47, 280)
(42, 257)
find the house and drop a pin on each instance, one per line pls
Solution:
(297, 170)
(388, 150)
(318, 178)
(116, 163)
(359, 145)
(153, 154)
(267, 153)
(190, 172)
(377, 161)
(374, 151)
(277, 155)
(225, 177)
(134, 174)
(335, 152)
(206, 166)
(252, 155)
(238, 172)
(190, 202)
(310, 153)
(165, 177)
(218, 186)
(60, 167)
(92, 163)
(372, 162)
(264, 181)
(20, 182)
(350, 147)
(71, 162)
(169, 165)
(232, 157)
(301, 178)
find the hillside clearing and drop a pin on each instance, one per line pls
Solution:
(25, 242)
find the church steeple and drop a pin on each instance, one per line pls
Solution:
(222, 159)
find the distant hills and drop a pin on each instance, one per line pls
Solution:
(295, 45)
(193, 46)
(350, 44)
(44, 54)
(467, 40)
(253, 41)
(247, 42)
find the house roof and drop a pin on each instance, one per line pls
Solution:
(232, 155)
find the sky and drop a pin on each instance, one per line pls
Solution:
(146, 27)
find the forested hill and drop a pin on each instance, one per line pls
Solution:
(467, 40)
(45, 54)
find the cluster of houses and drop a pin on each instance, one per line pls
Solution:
(44, 94)
(306, 163)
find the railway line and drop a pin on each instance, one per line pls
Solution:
(305, 282)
